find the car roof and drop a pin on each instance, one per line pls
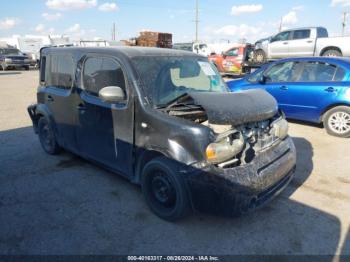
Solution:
(303, 28)
(125, 50)
(345, 61)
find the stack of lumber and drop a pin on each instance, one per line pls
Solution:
(155, 39)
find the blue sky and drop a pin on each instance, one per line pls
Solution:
(219, 19)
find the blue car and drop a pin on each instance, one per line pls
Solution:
(313, 89)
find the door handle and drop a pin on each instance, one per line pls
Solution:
(81, 107)
(330, 89)
(284, 88)
(50, 98)
(310, 41)
(285, 43)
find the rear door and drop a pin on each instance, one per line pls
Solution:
(316, 88)
(105, 131)
(302, 43)
(59, 95)
(279, 45)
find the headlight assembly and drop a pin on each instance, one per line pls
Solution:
(8, 60)
(224, 150)
(280, 128)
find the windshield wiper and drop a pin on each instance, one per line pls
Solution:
(177, 101)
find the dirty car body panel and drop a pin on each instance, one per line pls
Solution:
(151, 122)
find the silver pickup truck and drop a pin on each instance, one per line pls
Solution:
(310, 41)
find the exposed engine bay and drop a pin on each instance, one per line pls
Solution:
(242, 126)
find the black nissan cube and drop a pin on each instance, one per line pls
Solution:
(165, 120)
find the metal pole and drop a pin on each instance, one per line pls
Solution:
(281, 24)
(344, 23)
(197, 20)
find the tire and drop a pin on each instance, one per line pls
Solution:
(165, 190)
(337, 121)
(332, 52)
(259, 57)
(3, 68)
(26, 68)
(47, 137)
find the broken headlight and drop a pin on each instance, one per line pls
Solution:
(224, 150)
(280, 128)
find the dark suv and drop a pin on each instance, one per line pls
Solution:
(13, 58)
(165, 120)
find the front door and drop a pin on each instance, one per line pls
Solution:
(279, 45)
(105, 130)
(278, 79)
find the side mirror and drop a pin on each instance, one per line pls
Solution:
(112, 94)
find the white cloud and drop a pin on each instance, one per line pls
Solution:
(298, 8)
(290, 19)
(241, 9)
(8, 23)
(39, 28)
(108, 7)
(340, 2)
(74, 29)
(76, 32)
(51, 17)
(70, 4)
(241, 30)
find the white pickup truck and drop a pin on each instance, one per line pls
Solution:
(310, 41)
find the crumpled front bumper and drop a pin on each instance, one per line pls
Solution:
(243, 188)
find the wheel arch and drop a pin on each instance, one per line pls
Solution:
(330, 107)
(42, 110)
(145, 157)
(327, 48)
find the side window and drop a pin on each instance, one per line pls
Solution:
(322, 33)
(102, 72)
(284, 72)
(319, 72)
(232, 52)
(284, 36)
(339, 75)
(255, 78)
(301, 34)
(61, 72)
(43, 70)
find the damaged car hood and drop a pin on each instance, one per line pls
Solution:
(236, 108)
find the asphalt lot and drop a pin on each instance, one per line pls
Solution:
(65, 205)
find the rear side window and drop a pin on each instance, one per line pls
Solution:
(102, 72)
(61, 71)
(339, 75)
(301, 34)
(320, 72)
(322, 33)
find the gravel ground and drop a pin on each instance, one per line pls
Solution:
(65, 205)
